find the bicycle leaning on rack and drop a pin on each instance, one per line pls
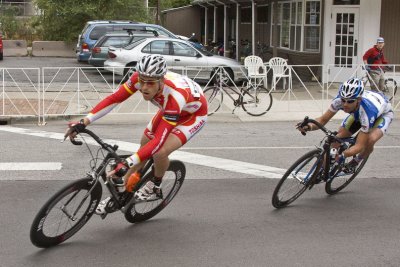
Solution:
(317, 166)
(390, 87)
(68, 210)
(255, 99)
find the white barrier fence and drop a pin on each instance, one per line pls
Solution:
(73, 91)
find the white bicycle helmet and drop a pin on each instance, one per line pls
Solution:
(351, 89)
(152, 66)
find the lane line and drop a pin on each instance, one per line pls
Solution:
(30, 166)
(207, 161)
(264, 147)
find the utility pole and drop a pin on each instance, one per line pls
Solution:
(158, 12)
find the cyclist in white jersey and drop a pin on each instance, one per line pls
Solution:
(370, 112)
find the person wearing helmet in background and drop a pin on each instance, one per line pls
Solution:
(369, 111)
(182, 113)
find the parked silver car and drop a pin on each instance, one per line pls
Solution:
(181, 56)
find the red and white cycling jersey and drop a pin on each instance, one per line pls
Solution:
(183, 111)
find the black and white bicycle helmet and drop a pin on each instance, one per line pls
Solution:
(351, 89)
(152, 66)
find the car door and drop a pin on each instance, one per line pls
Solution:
(185, 56)
(160, 47)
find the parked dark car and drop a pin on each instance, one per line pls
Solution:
(93, 30)
(100, 49)
(1, 47)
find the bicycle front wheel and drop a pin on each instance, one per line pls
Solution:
(171, 183)
(297, 179)
(390, 88)
(214, 98)
(256, 101)
(65, 213)
(340, 180)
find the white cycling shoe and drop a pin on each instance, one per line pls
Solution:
(148, 191)
(101, 208)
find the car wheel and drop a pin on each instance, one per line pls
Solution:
(1, 56)
(128, 71)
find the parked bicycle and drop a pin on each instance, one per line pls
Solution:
(390, 88)
(255, 99)
(315, 167)
(68, 210)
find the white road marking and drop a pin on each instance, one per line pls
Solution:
(208, 161)
(30, 166)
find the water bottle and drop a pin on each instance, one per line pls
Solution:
(333, 154)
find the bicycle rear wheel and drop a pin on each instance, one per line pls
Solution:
(390, 88)
(214, 98)
(297, 179)
(256, 101)
(340, 180)
(65, 213)
(171, 183)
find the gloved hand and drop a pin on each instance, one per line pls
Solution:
(367, 68)
(340, 159)
(303, 129)
(122, 167)
(74, 128)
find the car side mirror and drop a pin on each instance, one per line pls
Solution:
(198, 55)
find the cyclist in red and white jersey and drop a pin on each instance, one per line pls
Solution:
(182, 113)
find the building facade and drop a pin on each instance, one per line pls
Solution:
(306, 32)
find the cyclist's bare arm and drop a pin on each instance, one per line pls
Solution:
(360, 145)
(323, 120)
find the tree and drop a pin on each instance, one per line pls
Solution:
(8, 21)
(63, 20)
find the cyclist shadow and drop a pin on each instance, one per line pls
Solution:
(105, 235)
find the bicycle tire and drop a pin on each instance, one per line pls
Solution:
(338, 183)
(390, 88)
(40, 233)
(214, 98)
(172, 182)
(256, 102)
(278, 200)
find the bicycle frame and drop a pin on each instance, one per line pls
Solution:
(100, 172)
(324, 158)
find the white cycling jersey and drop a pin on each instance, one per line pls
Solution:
(373, 105)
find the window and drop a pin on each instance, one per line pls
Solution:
(117, 41)
(295, 26)
(157, 47)
(298, 25)
(346, 2)
(181, 49)
(312, 26)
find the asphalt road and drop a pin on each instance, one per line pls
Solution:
(220, 217)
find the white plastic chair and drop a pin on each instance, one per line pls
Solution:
(256, 70)
(280, 70)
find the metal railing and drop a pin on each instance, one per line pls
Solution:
(74, 91)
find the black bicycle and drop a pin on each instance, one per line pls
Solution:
(317, 166)
(255, 99)
(68, 210)
(390, 87)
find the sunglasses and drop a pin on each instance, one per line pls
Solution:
(149, 82)
(348, 101)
